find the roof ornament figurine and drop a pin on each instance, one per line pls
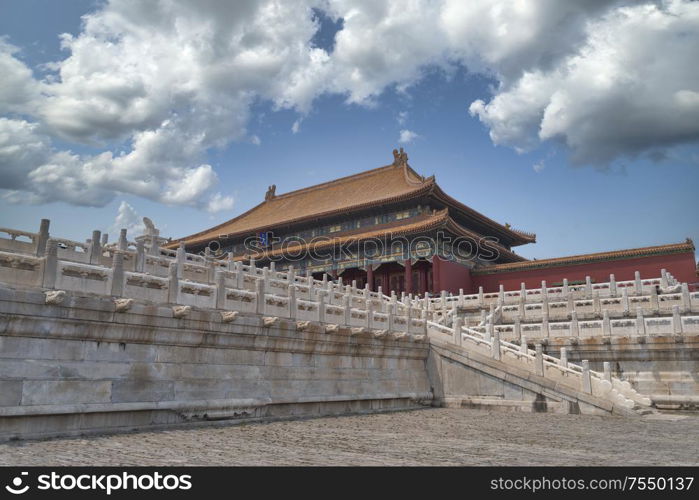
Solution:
(400, 158)
(270, 192)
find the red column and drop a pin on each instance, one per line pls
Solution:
(370, 277)
(436, 278)
(408, 276)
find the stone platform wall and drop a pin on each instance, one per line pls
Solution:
(80, 366)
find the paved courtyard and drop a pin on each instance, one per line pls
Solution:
(423, 437)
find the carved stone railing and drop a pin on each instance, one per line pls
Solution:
(577, 377)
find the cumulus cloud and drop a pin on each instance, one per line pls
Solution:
(218, 202)
(154, 87)
(631, 87)
(407, 136)
(539, 166)
(127, 218)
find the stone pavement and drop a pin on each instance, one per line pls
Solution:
(423, 437)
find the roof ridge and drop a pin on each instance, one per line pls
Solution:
(333, 182)
(626, 252)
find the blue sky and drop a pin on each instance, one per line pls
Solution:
(575, 201)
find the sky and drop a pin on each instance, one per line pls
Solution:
(578, 121)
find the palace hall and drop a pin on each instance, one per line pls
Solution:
(391, 228)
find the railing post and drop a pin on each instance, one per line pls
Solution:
(321, 307)
(523, 347)
(290, 275)
(140, 257)
(663, 278)
(586, 377)
(596, 304)
(458, 323)
(522, 308)
(539, 361)
(220, 279)
(42, 238)
(625, 300)
(489, 331)
(523, 292)
(123, 243)
(180, 259)
(566, 290)
(310, 283)
(640, 322)
(51, 264)
(480, 296)
(117, 285)
(654, 300)
(606, 323)
(544, 291)
(230, 262)
(638, 284)
(173, 284)
(570, 304)
(369, 313)
(292, 300)
(574, 327)
(545, 319)
(607, 371)
(495, 346)
(564, 357)
(588, 287)
(686, 301)
(346, 301)
(260, 291)
(461, 297)
(612, 285)
(676, 320)
(501, 293)
(95, 248)
(518, 327)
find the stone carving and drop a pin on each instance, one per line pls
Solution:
(302, 326)
(400, 158)
(399, 336)
(332, 328)
(269, 321)
(228, 316)
(357, 331)
(271, 192)
(380, 333)
(180, 312)
(122, 305)
(150, 227)
(55, 297)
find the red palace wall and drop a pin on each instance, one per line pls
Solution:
(452, 276)
(681, 265)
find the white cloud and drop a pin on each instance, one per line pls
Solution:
(539, 166)
(407, 136)
(171, 80)
(127, 218)
(296, 127)
(630, 88)
(218, 202)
